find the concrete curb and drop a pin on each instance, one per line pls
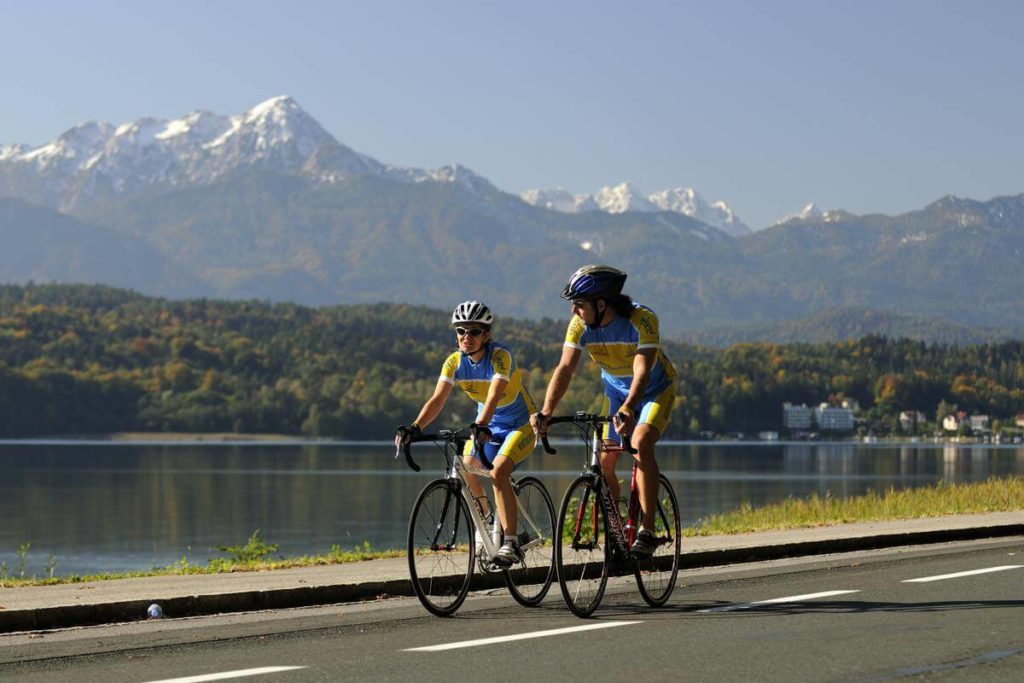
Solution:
(711, 558)
(67, 616)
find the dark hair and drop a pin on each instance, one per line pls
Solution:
(622, 304)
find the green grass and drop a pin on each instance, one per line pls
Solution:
(993, 495)
(219, 565)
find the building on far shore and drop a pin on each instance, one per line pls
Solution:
(977, 423)
(952, 422)
(797, 418)
(909, 419)
(833, 418)
(827, 418)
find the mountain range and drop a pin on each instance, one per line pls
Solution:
(267, 204)
(627, 197)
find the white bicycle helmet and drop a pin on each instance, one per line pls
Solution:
(472, 312)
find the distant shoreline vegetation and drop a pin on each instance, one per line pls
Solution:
(89, 359)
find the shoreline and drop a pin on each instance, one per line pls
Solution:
(233, 439)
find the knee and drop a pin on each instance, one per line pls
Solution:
(502, 471)
(643, 442)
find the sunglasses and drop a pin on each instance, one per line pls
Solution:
(471, 331)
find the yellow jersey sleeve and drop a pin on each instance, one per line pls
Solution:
(451, 364)
(646, 324)
(501, 361)
(574, 335)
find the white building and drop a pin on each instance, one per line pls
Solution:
(952, 422)
(833, 419)
(796, 417)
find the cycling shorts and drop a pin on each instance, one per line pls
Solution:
(654, 411)
(515, 443)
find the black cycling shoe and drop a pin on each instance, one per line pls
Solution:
(644, 545)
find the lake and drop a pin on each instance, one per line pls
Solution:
(113, 507)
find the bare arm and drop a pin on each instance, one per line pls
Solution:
(559, 384)
(643, 361)
(435, 404)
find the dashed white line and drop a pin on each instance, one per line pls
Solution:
(958, 575)
(224, 675)
(521, 636)
(792, 598)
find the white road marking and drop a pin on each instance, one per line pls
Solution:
(521, 636)
(229, 674)
(959, 574)
(793, 598)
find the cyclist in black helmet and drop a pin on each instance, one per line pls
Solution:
(488, 374)
(639, 381)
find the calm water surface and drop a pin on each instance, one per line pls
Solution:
(118, 507)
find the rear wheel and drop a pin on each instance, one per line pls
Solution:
(656, 575)
(581, 546)
(440, 548)
(529, 581)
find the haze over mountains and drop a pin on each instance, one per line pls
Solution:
(268, 204)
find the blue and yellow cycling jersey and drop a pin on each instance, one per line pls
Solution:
(514, 406)
(613, 347)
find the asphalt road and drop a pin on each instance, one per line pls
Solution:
(854, 617)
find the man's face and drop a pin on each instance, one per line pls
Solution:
(586, 309)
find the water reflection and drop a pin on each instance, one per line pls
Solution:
(117, 507)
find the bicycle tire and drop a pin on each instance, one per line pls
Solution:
(582, 550)
(440, 548)
(656, 575)
(538, 561)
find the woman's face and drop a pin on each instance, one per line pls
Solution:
(471, 338)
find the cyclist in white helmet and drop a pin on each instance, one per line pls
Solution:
(639, 381)
(488, 374)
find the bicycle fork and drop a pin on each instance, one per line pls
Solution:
(449, 500)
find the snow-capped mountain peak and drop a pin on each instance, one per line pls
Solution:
(276, 107)
(627, 197)
(197, 126)
(12, 150)
(809, 212)
(98, 161)
(560, 199)
(622, 198)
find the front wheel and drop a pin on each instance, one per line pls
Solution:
(656, 575)
(581, 546)
(441, 548)
(529, 582)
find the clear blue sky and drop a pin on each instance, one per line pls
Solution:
(867, 106)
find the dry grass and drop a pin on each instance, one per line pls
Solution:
(993, 495)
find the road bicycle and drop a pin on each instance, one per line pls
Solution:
(594, 533)
(443, 548)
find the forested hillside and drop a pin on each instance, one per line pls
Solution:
(78, 360)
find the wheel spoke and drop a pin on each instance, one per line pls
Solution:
(656, 576)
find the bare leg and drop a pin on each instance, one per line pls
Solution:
(474, 484)
(504, 496)
(609, 456)
(644, 438)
